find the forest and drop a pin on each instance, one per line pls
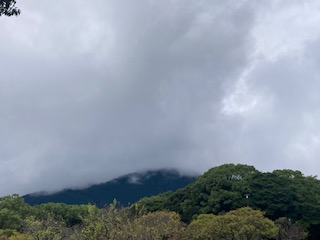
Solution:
(233, 202)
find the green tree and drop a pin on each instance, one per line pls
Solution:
(71, 214)
(281, 193)
(205, 226)
(15, 203)
(274, 194)
(220, 189)
(13, 210)
(7, 7)
(306, 207)
(48, 228)
(10, 219)
(157, 225)
(153, 203)
(241, 224)
(108, 223)
(248, 224)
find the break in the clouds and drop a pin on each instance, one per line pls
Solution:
(91, 91)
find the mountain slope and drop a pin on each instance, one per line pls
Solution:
(126, 189)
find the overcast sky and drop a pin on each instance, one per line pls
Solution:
(93, 90)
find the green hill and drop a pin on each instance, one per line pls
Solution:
(281, 193)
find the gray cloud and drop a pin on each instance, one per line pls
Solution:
(92, 91)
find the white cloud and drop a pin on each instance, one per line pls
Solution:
(285, 27)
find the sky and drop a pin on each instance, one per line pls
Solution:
(92, 91)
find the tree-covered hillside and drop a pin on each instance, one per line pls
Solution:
(231, 202)
(281, 193)
(126, 189)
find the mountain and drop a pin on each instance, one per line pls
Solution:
(126, 189)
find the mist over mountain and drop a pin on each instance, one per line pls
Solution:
(90, 92)
(125, 189)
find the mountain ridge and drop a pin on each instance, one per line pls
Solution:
(126, 189)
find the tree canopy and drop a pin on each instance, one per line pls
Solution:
(281, 193)
(243, 223)
(7, 8)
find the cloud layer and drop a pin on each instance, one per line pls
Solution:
(92, 91)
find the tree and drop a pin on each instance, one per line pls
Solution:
(220, 189)
(206, 226)
(71, 214)
(274, 194)
(157, 225)
(7, 7)
(290, 230)
(249, 224)
(241, 224)
(48, 228)
(13, 210)
(9, 220)
(305, 208)
(109, 223)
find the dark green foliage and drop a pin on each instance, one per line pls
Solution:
(282, 193)
(15, 203)
(7, 8)
(305, 207)
(123, 189)
(154, 203)
(314, 232)
(70, 214)
(16, 215)
(274, 194)
(13, 210)
(221, 189)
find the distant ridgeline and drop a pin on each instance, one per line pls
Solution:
(281, 193)
(227, 199)
(126, 189)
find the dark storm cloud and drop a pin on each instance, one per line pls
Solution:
(92, 91)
